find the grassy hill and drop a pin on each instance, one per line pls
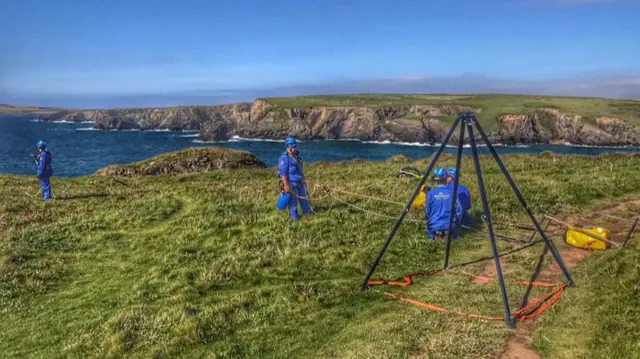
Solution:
(202, 265)
(492, 106)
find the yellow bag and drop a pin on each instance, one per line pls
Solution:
(583, 241)
(420, 200)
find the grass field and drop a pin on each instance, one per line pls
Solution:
(492, 105)
(24, 110)
(203, 266)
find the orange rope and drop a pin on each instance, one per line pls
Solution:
(532, 310)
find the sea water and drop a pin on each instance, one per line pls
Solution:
(78, 149)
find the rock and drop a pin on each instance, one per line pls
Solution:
(190, 160)
(547, 126)
(394, 123)
(65, 116)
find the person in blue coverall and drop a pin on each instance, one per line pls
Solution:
(45, 169)
(463, 194)
(437, 210)
(292, 179)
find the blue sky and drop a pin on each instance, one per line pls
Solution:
(90, 53)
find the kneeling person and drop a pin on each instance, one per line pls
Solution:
(438, 208)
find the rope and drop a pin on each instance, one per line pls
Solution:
(532, 310)
(371, 212)
(365, 196)
(606, 214)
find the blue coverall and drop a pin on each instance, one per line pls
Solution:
(291, 167)
(45, 170)
(465, 200)
(438, 210)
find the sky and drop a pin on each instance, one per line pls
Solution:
(95, 53)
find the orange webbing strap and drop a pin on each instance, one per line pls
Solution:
(535, 308)
(415, 302)
(539, 305)
(407, 279)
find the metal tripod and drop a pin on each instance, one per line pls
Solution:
(468, 120)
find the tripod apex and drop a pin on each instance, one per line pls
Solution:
(466, 114)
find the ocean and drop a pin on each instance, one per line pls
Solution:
(78, 149)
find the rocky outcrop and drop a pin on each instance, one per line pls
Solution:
(543, 126)
(175, 119)
(391, 123)
(191, 160)
(396, 123)
(66, 116)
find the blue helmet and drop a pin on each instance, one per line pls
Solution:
(439, 174)
(452, 172)
(41, 144)
(290, 142)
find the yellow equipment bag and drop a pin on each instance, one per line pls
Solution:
(421, 199)
(583, 241)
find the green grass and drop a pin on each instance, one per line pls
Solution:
(600, 319)
(202, 265)
(491, 106)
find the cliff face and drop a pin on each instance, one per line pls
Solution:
(549, 125)
(393, 123)
(398, 123)
(175, 119)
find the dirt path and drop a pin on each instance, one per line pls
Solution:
(518, 347)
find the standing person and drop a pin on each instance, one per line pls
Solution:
(45, 170)
(463, 194)
(437, 211)
(292, 179)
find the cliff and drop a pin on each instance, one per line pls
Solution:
(175, 119)
(543, 126)
(527, 123)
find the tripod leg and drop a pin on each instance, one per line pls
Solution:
(631, 230)
(554, 250)
(408, 206)
(487, 214)
(455, 196)
(525, 300)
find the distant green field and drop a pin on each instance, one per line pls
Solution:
(20, 110)
(492, 105)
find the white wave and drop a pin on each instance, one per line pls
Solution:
(192, 135)
(603, 147)
(210, 142)
(88, 129)
(239, 139)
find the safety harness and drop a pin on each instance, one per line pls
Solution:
(47, 164)
(289, 158)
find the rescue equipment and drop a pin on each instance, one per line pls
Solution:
(283, 201)
(421, 199)
(582, 240)
(409, 172)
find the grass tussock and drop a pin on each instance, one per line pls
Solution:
(203, 265)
